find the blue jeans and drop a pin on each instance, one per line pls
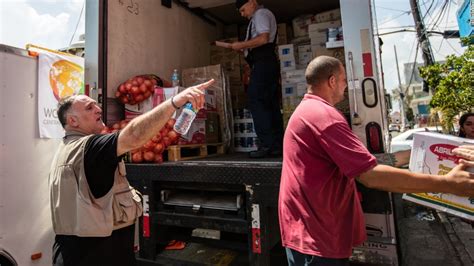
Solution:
(264, 103)
(296, 258)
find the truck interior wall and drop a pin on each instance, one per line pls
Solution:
(152, 39)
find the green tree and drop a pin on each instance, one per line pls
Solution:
(453, 85)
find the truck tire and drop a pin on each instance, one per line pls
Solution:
(6, 259)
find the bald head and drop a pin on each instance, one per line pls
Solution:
(321, 69)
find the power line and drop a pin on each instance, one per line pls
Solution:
(449, 7)
(387, 8)
(428, 10)
(440, 14)
(415, 41)
(456, 51)
(412, 26)
(404, 13)
(413, 68)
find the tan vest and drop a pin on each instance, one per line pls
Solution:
(74, 209)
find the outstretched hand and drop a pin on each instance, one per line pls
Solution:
(194, 95)
(462, 182)
(467, 154)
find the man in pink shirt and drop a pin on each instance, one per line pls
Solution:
(320, 215)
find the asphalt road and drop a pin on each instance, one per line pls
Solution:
(427, 237)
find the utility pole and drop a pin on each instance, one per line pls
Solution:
(423, 40)
(422, 34)
(402, 92)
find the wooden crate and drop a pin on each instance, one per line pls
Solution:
(194, 151)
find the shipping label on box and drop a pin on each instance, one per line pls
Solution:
(287, 64)
(288, 89)
(286, 51)
(432, 154)
(304, 48)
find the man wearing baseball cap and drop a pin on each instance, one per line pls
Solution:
(259, 50)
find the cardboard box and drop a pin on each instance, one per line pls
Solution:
(432, 154)
(212, 128)
(160, 95)
(304, 59)
(300, 25)
(335, 44)
(320, 30)
(319, 41)
(282, 34)
(336, 52)
(132, 111)
(286, 51)
(303, 48)
(193, 76)
(288, 89)
(328, 15)
(196, 134)
(293, 76)
(230, 60)
(301, 89)
(287, 64)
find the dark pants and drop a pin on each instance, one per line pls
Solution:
(296, 258)
(264, 103)
(114, 250)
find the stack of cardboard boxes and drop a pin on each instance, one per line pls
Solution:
(237, 71)
(315, 35)
(318, 34)
(234, 66)
(210, 124)
(293, 88)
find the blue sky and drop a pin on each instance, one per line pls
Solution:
(51, 23)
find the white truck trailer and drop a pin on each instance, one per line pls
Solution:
(26, 233)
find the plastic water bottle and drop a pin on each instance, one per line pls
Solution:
(175, 78)
(185, 119)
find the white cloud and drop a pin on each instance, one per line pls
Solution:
(48, 23)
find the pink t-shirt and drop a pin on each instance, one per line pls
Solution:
(319, 209)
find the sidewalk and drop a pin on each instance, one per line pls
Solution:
(427, 237)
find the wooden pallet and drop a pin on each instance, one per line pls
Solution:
(194, 151)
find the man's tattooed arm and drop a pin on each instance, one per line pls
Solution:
(397, 159)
